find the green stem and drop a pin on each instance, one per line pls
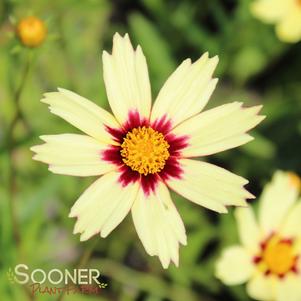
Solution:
(82, 261)
(146, 282)
(11, 145)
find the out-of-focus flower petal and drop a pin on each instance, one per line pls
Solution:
(235, 266)
(289, 28)
(289, 289)
(292, 224)
(277, 199)
(271, 11)
(262, 288)
(248, 229)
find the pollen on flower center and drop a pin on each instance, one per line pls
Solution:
(145, 150)
(279, 256)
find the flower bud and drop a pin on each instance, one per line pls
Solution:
(31, 31)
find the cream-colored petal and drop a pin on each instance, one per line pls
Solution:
(235, 266)
(261, 287)
(297, 250)
(218, 129)
(159, 225)
(248, 229)
(289, 28)
(103, 206)
(276, 200)
(299, 258)
(210, 186)
(271, 11)
(289, 289)
(72, 154)
(186, 91)
(292, 224)
(81, 113)
(126, 79)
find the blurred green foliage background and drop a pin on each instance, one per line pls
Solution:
(255, 67)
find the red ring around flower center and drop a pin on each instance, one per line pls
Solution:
(277, 257)
(167, 166)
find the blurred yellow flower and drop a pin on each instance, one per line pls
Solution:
(269, 257)
(144, 149)
(286, 14)
(31, 31)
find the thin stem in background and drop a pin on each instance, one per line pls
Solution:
(11, 146)
(84, 259)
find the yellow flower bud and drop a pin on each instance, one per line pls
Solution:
(31, 31)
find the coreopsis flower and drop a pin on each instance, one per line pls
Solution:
(269, 256)
(142, 150)
(31, 31)
(286, 14)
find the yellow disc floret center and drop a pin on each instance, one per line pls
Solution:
(279, 257)
(144, 150)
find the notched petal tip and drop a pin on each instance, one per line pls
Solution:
(215, 59)
(225, 211)
(35, 157)
(187, 61)
(44, 137)
(243, 180)
(249, 138)
(77, 228)
(105, 54)
(62, 90)
(205, 55)
(75, 231)
(165, 265)
(72, 214)
(221, 209)
(126, 37)
(86, 235)
(245, 205)
(176, 261)
(104, 234)
(250, 195)
(44, 99)
(214, 82)
(52, 169)
(49, 94)
(116, 36)
(34, 148)
(256, 109)
(260, 118)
